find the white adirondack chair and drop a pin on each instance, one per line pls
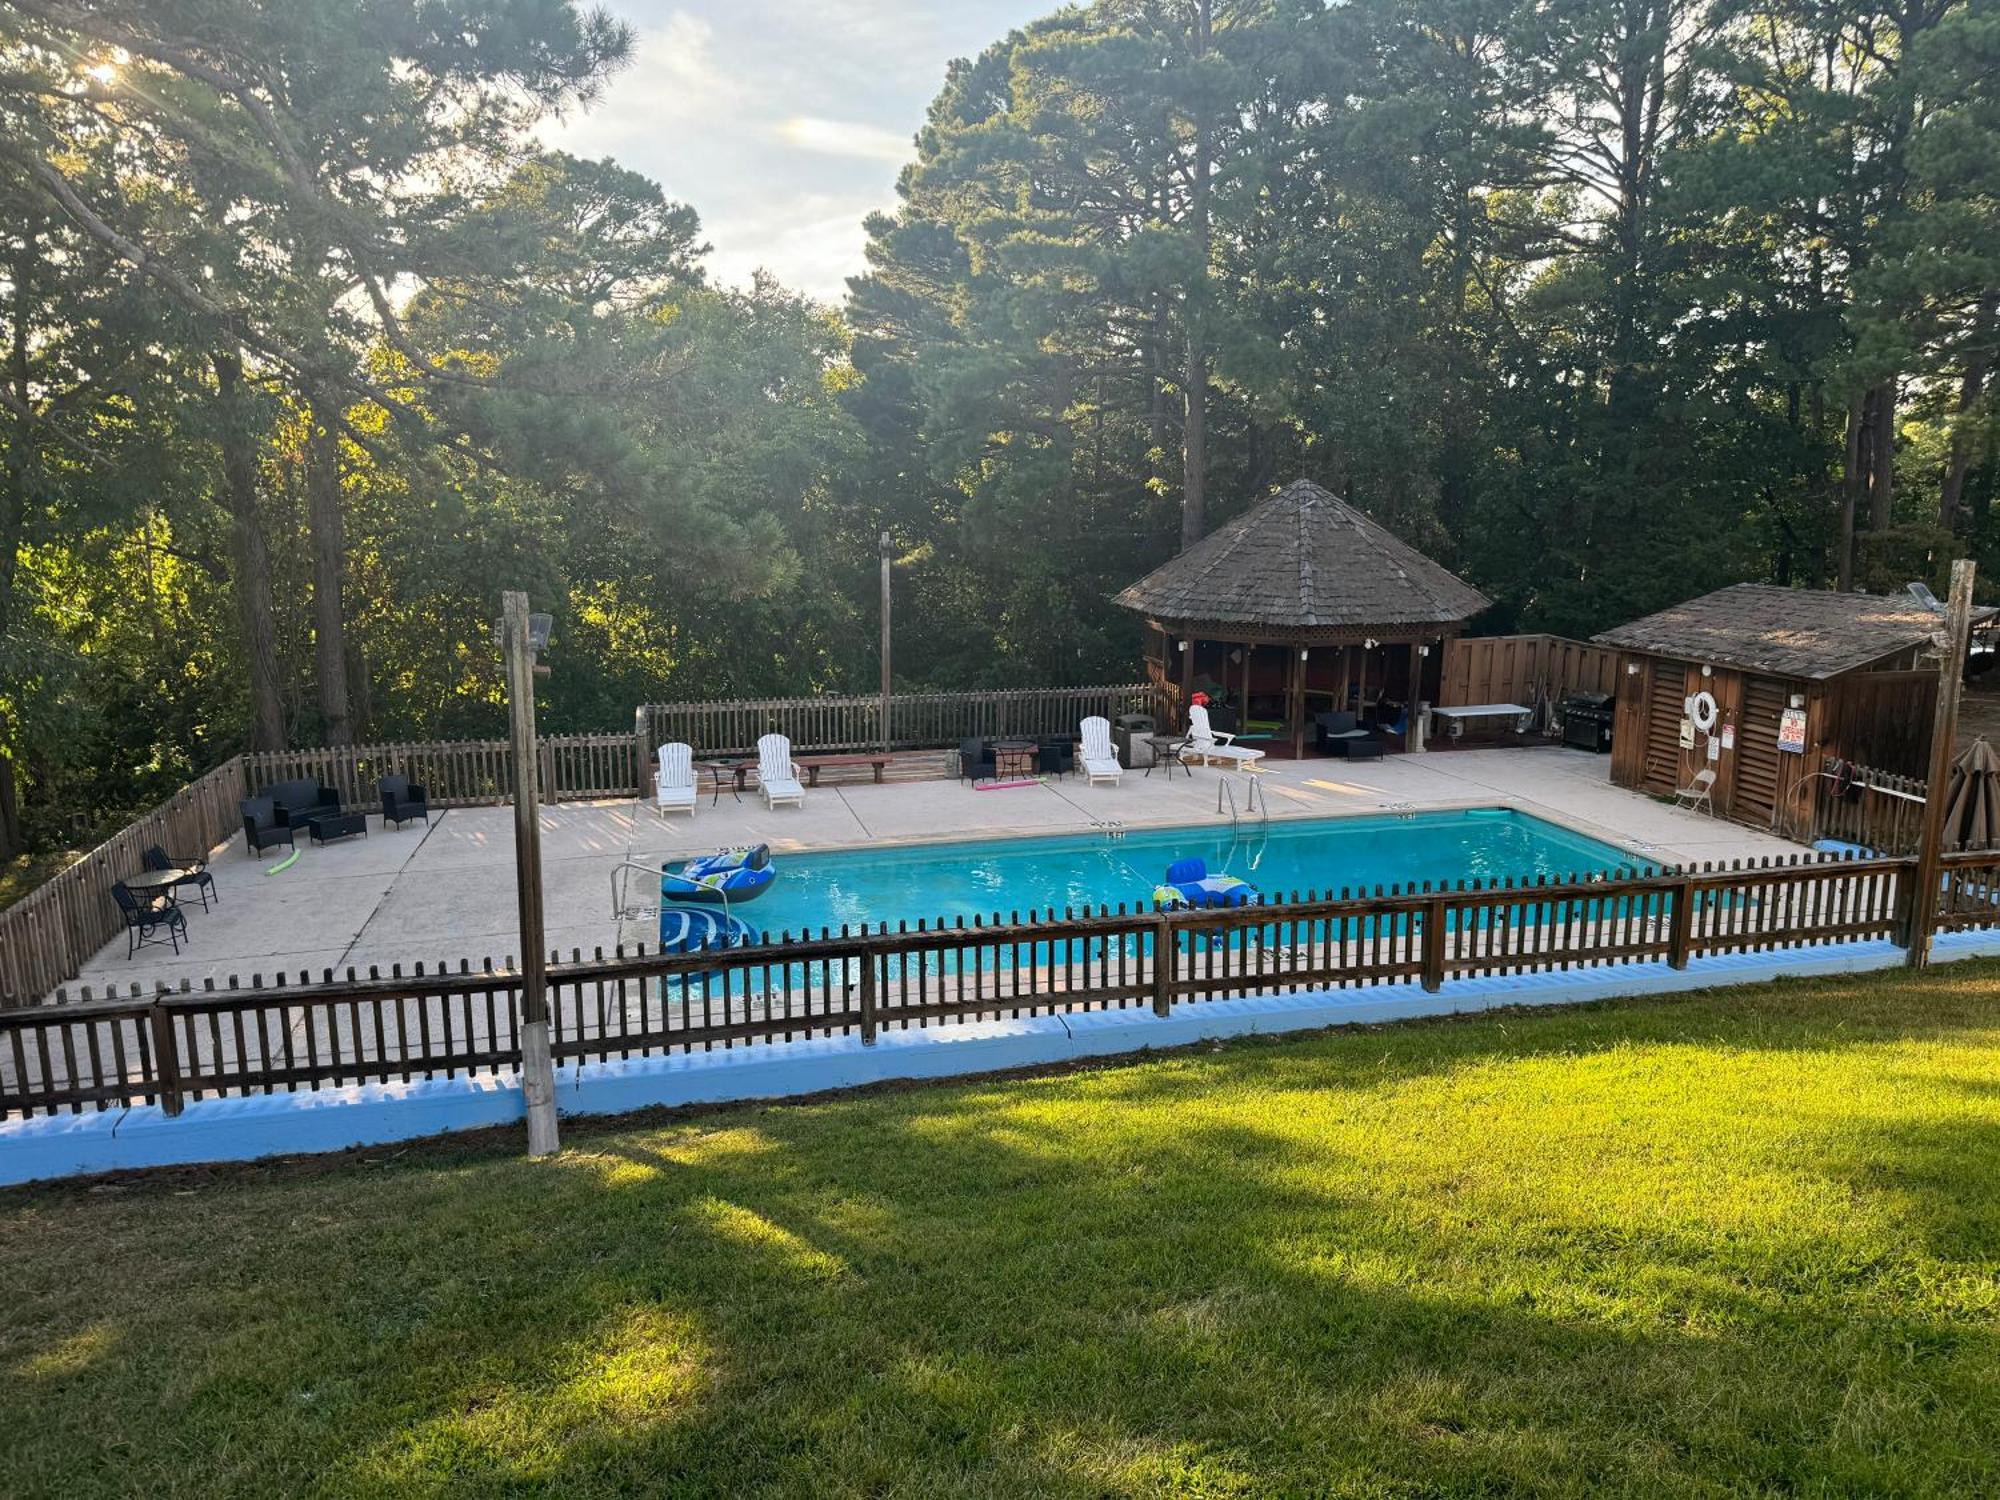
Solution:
(1204, 744)
(777, 777)
(1100, 756)
(673, 783)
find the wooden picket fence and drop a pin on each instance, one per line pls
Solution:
(46, 936)
(917, 721)
(173, 1046)
(1884, 812)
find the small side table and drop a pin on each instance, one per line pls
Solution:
(1164, 746)
(1014, 760)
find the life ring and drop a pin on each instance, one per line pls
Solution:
(1701, 709)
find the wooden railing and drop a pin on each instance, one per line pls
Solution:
(918, 721)
(168, 1048)
(46, 935)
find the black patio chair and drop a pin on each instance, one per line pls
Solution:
(156, 858)
(1333, 732)
(402, 800)
(145, 921)
(1055, 756)
(976, 759)
(264, 825)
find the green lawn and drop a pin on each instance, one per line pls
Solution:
(1745, 1243)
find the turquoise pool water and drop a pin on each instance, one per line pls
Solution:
(1009, 876)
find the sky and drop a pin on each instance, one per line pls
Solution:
(781, 122)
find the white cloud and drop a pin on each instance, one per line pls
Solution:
(845, 138)
(781, 122)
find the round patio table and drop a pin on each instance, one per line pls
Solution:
(159, 882)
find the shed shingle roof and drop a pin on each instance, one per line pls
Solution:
(1784, 632)
(1303, 560)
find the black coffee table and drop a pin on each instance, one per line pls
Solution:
(340, 825)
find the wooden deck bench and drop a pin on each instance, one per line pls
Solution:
(811, 764)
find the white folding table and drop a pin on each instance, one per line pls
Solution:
(1455, 719)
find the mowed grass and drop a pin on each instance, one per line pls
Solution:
(1738, 1244)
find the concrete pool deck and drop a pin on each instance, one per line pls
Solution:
(446, 892)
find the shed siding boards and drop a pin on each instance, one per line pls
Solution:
(1760, 778)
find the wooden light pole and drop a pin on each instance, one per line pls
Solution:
(538, 1074)
(888, 548)
(1944, 733)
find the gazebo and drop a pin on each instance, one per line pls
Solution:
(1300, 605)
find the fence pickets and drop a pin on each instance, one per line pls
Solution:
(174, 1046)
(49, 934)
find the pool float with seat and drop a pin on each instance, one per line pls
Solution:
(697, 929)
(727, 877)
(1189, 885)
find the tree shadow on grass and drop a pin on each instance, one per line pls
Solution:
(1187, 1277)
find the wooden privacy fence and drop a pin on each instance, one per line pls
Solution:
(46, 935)
(175, 1046)
(918, 721)
(1513, 668)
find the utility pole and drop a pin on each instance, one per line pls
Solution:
(888, 549)
(518, 640)
(1944, 733)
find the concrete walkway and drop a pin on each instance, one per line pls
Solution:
(446, 893)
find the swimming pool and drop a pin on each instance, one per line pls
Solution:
(1031, 875)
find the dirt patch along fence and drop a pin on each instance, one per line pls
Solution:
(170, 1047)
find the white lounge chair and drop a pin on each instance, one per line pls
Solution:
(1204, 744)
(1100, 756)
(777, 777)
(1696, 793)
(673, 783)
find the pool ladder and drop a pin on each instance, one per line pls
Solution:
(621, 878)
(1225, 801)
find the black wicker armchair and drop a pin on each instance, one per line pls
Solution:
(402, 800)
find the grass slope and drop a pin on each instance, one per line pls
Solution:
(1738, 1244)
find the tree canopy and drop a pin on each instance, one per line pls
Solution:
(312, 347)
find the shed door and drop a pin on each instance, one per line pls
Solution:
(1664, 756)
(1758, 773)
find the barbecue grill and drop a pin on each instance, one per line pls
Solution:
(1586, 719)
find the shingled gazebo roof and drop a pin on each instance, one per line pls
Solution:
(1304, 563)
(1785, 632)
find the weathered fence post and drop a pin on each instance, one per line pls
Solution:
(1165, 951)
(166, 1059)
(1680, 930)
(1434, 935)
(868, 998)
(642, 753)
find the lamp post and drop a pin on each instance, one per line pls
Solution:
(888, 550)
(522, 635)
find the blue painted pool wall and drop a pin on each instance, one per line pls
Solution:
(245, 1129)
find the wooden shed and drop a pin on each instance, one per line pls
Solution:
(1798, 677)
(1299, 605)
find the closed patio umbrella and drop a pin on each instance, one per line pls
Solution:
(1972, 802)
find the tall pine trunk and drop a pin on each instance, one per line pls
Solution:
(20, 458)
(1882, 453)
(1853, 488)
(1971, 388)
(250, 555)
(1194, 431)
(329, 549)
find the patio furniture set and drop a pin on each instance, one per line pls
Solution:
(275, 815)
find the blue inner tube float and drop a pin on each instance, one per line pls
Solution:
(727, 877)
(697, 929)
(1189, 886)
